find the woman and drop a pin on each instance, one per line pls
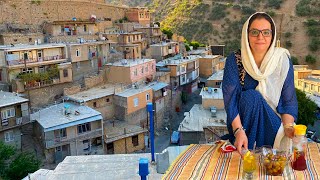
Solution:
(258, 88)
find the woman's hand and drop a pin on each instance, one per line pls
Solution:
(289, 131)
(241, 141)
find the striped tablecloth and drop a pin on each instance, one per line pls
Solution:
(208, 162)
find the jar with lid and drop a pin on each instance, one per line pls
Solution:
(299, 148)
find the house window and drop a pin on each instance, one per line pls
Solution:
(62, 29)
(25, 55)
(63, 132)
(135, 140)
(65, 73)
(78, 53)
(85, 28)
(107, 100)
(8, 136)
(86, 145)
(41, 69)
(136, 102)
(0, 75)
(218, 83)
(58, 148)
(312, 87)
(148, 96)
(82, 128)
(30, 39)
(135, 72)
(142, 70)
(27, 70)
(95, 104)
(8, 113)
(146, 69)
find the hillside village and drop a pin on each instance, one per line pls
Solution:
(76, 84)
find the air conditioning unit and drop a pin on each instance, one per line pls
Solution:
(5, 122)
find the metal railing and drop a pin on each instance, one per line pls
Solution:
(60, 140)
(35, 60)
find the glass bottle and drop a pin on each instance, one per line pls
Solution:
(299, 148)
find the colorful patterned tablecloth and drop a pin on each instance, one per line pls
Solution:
(208, 162)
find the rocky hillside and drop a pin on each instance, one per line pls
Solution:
(220, 22)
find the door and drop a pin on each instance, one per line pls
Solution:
(110, 148)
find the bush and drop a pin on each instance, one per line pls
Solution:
(294, 60)
(274, 3)
(187, 47)
(271, 13)
(314, 45)
(288, 44)
(311, 59)
(306, 110)
(287, 34)
(168, 32)
(246, 10)
(218, 12)
(313, 31)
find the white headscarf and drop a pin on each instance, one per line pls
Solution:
(271, 74)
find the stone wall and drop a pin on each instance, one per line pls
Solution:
(71, 90)
(93, 80)
(35, 13)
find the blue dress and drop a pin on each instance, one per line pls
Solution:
(257, 117)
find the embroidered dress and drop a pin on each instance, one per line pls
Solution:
(257, 117)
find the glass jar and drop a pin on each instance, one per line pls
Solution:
(299, 148)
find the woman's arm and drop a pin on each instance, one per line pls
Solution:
(231, 89)
(288, 104)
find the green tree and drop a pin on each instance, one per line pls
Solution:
(306, 110)
(23, 164)
(294, 60)
(311, 59)
(5, 153)
(15, 165)
(168, 32)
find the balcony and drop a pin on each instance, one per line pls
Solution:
(14, 122)
(35, 60)
(58, 141)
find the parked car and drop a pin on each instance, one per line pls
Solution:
(175, 137)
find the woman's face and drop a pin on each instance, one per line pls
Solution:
(260, 43)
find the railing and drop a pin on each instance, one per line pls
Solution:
(42, 83)
(61, 140)
(35, 60)
(13, 122)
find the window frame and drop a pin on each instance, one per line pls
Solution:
(136, 102)
(8, 136)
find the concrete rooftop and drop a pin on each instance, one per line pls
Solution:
(130, 62)
(211, 95)
(20, 47)
(217, 76)
(8, 99)
(198, 118)
(92, 93)
(53, 117)
(177, 60)
(96, 167)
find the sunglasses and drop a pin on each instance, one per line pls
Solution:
(264, 32)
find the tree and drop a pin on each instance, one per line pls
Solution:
(294, 60)
(23, 164)
(307, 109)
(311, 59)
(15, 165)
(168, 32)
